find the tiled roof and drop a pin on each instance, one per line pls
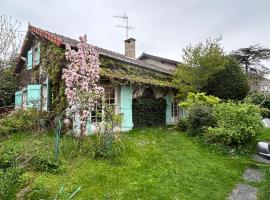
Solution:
(60, 40)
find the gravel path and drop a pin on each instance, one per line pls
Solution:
(260, 159)
(253, 175)
(245, 191)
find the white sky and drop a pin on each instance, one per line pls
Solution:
(162, 28)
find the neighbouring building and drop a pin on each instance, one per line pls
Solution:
(123, 76)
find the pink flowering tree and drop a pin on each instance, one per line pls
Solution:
(81, 77)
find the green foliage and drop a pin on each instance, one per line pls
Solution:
(8, 86)
(229, 83)
(158, 162)
(147, 111)
(199, 98)
(53, 60)
(251, 58)
(25, 120)
(103, 145)
(9, 182)
(265, 112)
(106, 142)
(8, 158)
(259, 98)
(237, 124)
(199, 118)
(182, 125)
(118, 72)
(199, 63)
(43, 160)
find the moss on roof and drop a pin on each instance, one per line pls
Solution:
(115, 70)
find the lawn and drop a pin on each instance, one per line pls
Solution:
(158, 163)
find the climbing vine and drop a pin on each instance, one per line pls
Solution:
(53, 61)
(117, 72)
(148, 111)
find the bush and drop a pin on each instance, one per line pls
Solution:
(200, 117)
(148, 111)
(105, 146)
(25, 120)
(237, 124)
(44, 160)
(8, 158)
(265, 112)
(259, 98)
(183, 124)
(199, 98)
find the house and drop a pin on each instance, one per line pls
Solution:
(124, 77)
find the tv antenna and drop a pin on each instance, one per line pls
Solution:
(126, 26)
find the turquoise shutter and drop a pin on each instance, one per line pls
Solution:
(33, 95)
(29, 59)
(126, 107)
(168, 98)
(18, 99)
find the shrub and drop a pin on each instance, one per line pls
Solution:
(44, 160)
(106, 142)
(25, 120)
(199, 98)
(105, 146)
(4, 131)
(237, 124)
(183, 124)
(259, 98)
(265, 112)
(8, 158)
(200, 117)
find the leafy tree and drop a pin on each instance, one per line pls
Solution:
(251, 58)
(229, 83)
(9, 46)
(8, 86)
(199, 63)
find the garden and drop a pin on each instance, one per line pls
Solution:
(203, 156)
(157, 163)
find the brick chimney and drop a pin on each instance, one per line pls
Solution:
(130, 48)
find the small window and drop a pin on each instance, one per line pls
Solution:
(175, 109)
(36, 55)
(96, 115)
(110, 95)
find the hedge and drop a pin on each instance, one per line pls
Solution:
(148, 111)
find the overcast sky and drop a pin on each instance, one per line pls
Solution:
(162, 27)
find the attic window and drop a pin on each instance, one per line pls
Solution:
(36, 55)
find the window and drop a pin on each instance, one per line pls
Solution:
(36, 55)
(96, 115)
(175, 109)
(110, 95)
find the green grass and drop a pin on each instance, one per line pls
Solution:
(158, 163)
(265, 136)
